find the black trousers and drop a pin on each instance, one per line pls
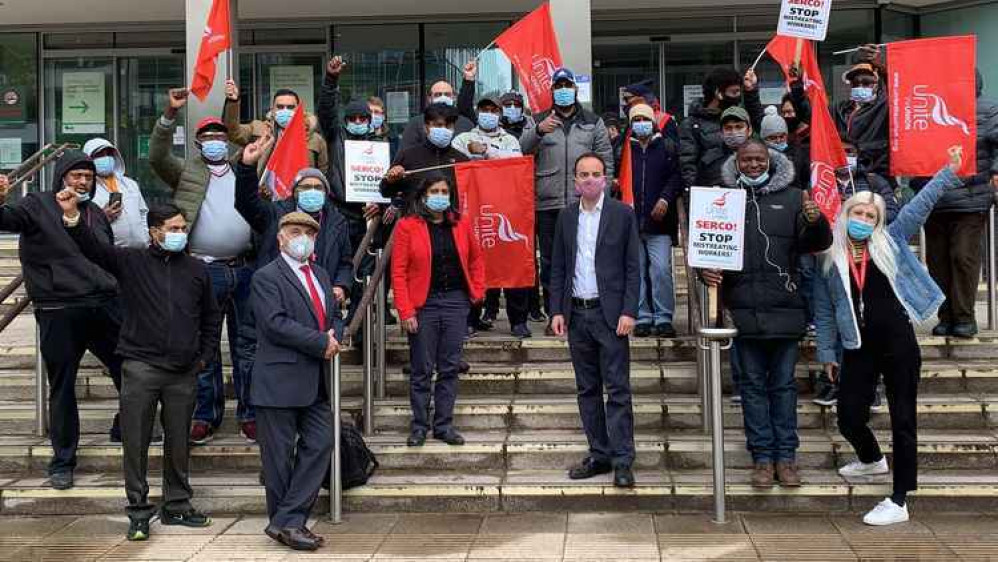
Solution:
(898, 358)
(517, 303)
(436, 346)
(601, 359)
(66, 334)
(143, 387)
(953, 253)
(545, 224)
(295, 449)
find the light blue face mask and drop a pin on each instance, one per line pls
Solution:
(174, 242)
(358, 129)
(440, 137)
(862, 94)
(779, 146)
(754, 182)
(446, 100)
(300, 247)
(283, 116)
(214, 150)
(104, 166)
(512, 113)
(488, 121)
(437, 202)
(564, 97)
(311, 200)
(83, 197)
(377, 121)
(859, 230)
(642, 129)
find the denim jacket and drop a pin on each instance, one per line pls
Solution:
(914, 288)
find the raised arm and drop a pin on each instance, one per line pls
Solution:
(161, 159)
(329, 100)
(238, 133)
(106, 256)
(259, 214)
(466, 95)
(914, 214)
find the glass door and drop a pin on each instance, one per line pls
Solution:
(617, 64)
(687, 63)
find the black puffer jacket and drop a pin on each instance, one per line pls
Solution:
(764, 298)
(702, 151)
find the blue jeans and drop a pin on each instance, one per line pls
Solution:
(769, 397)
(232, 290)
(658, 298)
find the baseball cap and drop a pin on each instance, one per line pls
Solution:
(213, 123)
(563, 74)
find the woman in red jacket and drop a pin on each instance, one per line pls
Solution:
(437, 272)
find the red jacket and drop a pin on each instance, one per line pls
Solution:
(412, 257)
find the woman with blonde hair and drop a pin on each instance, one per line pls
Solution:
(872, 288)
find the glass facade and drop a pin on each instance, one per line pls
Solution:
(18, 98)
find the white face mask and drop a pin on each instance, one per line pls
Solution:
(300, 247)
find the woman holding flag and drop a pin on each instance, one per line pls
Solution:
(871, 288)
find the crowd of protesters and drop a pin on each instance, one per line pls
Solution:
(105, 271)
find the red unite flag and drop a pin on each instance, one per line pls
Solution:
(289, 156)
(827, 154)
(498, 198)
(532, 47)
(217, 38)
(933, 104)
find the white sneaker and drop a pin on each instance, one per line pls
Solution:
(886, 513)
(858, 468)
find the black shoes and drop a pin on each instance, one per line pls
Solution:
(642, 331)
(61, 480)
(537, 316)
(189, 518)
(451, 437)
(416, 439)
(942, 330)
(828, 395)
(115, 432)
(589, 468)
(521, 331)
(665, 331)
(964, 330)
(296, 539)
(623, 477)
(138, 530)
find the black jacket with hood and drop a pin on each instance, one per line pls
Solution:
(56, 273)
(764, 297)
(702, 151)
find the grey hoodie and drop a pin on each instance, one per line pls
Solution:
(130, 229)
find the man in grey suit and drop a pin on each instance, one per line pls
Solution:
(295, 313)
(595, 282)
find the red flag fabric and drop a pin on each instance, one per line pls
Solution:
(626, 175)
(289, 156)
(827, 154)
(216, 39)
(532, 47)
(933, 101)
(498, 198)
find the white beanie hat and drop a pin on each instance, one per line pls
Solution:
(772, 123)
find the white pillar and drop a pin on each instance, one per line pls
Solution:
(573, 24)
(196, 16)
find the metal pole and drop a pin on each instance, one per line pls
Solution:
(368, 367)
(41, 390)
(991, 265)
(713, 338)
(380, 334)
(335, 486)
(702, 364)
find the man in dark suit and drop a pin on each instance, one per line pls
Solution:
(296, 316)
(595, 281)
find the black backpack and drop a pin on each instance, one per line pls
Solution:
(357, 461)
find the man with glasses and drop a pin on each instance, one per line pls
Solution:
(75, 301)
(204, 187)
(441, 92)
(595, 281)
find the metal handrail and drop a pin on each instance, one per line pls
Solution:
(32, 164)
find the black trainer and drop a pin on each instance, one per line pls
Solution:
(189, 518)
(642, 331)
(61, 480)
(538, 316)
(138, 530)
(828, 395)
(665, 331)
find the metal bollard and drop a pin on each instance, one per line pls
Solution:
(381, 334)
(368, 367)
(710, 340)
(991, 265)
(41, 388)
(335, 486)
(702, 366)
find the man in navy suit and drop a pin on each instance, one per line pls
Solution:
(296, 317)
(595, 282)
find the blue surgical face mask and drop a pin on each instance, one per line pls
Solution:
(754, 182)
(283, 116)
(105, 166)
(440, 136)
(83, 197)
(446, 100)
(174, 241)
(300, 247)
(377, 120)
(642, 129)
(564, 97)
(859, 230)
(437, 202)
(311, 200)
(862, 94)
(779, 146)
(358, 129)
(214, 150)
(512, 113)
(488, 121)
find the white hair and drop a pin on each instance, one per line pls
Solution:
(880, 244)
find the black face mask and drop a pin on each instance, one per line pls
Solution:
(792, 123)
(727, 102)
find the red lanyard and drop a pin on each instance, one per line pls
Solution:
(859, 274)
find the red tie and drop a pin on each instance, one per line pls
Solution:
(320, 312)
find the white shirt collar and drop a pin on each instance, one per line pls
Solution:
(294, 264)
(598, 208)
